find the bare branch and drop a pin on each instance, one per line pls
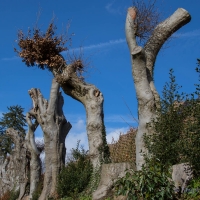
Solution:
(147, 18)
(161, 34)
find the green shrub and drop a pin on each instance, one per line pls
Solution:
(177, 128)
(168, 125)
(84, 197)
(193, 190)
(150, 183)
(74, 178)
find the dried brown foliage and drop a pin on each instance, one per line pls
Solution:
(42, 50)
(123, 150)
(147, 18)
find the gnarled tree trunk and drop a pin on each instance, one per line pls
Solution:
(55, 128)
(35, 163)
(15, 168)
(143, 60)
(92, 99)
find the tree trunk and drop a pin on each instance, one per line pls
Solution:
(92, 99)
(35, 163)
(15, 168)
(143, 60)
(55, 128)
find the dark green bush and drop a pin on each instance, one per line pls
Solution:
(177, 128)
(150, 183)
(75, 177)
(193, 190)
(168, 125)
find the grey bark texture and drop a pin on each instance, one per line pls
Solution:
(143, 60)
(14, 169)
(109, 174)
(55, 129)
(181, 175)
(35, 163)
(92, 99)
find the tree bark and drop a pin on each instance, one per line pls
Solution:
(14, 170)
(143, 60)
(55, 128)
(35, 163)
(92, 99)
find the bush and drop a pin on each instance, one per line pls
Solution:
(149, 183)
(177, 137)
(75, 177)
(193, 190)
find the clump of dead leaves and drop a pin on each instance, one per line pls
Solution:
(41, 49)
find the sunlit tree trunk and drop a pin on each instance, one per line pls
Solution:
(143, 59)
(35, 163)
(55, 128)
(92, 99)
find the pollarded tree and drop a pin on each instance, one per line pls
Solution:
(140, 19)
(49, 115)
(44, 51)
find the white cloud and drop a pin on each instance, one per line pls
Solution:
(1, 114)
(40, 139)
(73, 118)
(193, 33)
(114, 133)
(128, 119)
(110, 8)
(99, 45)
(78, 132)
(89, 47)
(11, 58)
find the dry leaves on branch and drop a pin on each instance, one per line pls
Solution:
(41, 49)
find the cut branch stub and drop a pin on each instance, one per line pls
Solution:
(132, 12)
(136, 50)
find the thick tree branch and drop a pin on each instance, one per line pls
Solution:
(35, 165)
(30, 137)
(131, 28)
(161, 34)
(53, 97)
(138, 59)
(92, 99)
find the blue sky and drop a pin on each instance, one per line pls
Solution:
(98, 26)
